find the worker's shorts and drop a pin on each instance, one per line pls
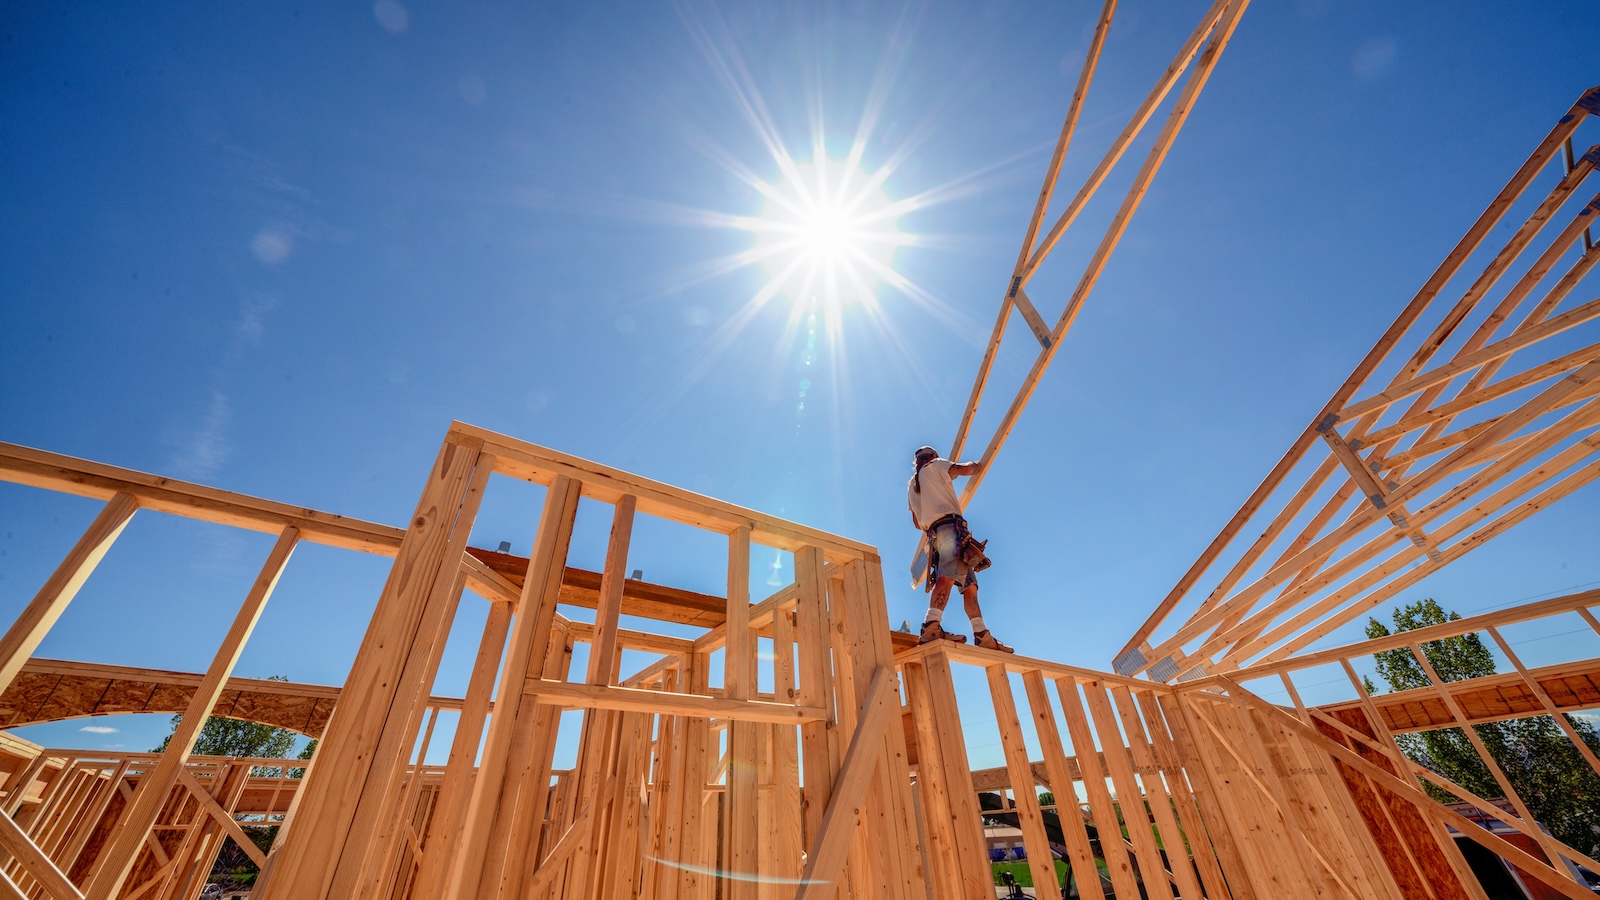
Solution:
(947, 547)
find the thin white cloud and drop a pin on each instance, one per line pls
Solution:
(100, 729)
(202, 451)
(207, 447)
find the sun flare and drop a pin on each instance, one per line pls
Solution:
(827, 233)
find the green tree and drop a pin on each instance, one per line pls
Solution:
(305, 753)
(1547, 771)
(234, 737)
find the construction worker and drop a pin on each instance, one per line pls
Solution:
(954, 557)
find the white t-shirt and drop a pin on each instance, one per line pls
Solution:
(938, 498)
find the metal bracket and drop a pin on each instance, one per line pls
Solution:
(1131, 661)
(1590, 100)
(1032, 317)
(1165, 670)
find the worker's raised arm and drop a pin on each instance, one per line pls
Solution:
(966, 468)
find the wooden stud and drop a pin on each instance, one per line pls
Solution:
(742, 821)
(1129, 796)
(350, 747)
(1550, 708)
(1118, 866)
(460, 766)
(1068, 813)
(788, 838)
(40, 615)
(155, 784)
(1158, 797)
(530, 640)
(1022, 788)
(603, 649)
(826, 857)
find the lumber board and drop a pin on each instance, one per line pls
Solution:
(154, 787)
(581, 587)
(608, 604)
(542, 465)
(28, 630)
(844, 812)
(69, 475)
(1412, 312)
(570, 695)
(1023, 793)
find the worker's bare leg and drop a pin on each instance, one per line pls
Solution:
(969, 599)
(932, 630)
(980, 631)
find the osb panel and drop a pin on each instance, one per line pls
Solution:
(97, 838)
(127, 696)
(1493, 698)
(73, 697)
(295, 713)
(36, 697)
(263, 800)
(28, 693)
(169, 698)
(1401, 824)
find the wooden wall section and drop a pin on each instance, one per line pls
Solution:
(766, 755)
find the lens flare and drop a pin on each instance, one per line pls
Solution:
(827, 233)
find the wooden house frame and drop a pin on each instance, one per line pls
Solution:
(682, 787)
(851, 777)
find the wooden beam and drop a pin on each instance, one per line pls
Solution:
(40, 615)
(1408, 316)
(57, 472)
(1026, 797)
(1041, 206)
(825, 860)
(35, 862)
(214, 809)
(569, 695)
(608, 605)
(155, 785)
(542, 465)
(581, 587)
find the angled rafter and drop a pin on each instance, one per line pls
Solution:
(1499, 359)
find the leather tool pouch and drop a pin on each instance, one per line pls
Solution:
(972, 553)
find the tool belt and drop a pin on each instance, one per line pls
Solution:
(970, 548)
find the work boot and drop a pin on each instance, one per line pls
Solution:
(988, 641)
(933, 631)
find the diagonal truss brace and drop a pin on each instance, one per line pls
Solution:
(1198, 56)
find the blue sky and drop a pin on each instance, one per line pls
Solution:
(277, 250)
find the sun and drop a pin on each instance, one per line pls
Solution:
(827, 233)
